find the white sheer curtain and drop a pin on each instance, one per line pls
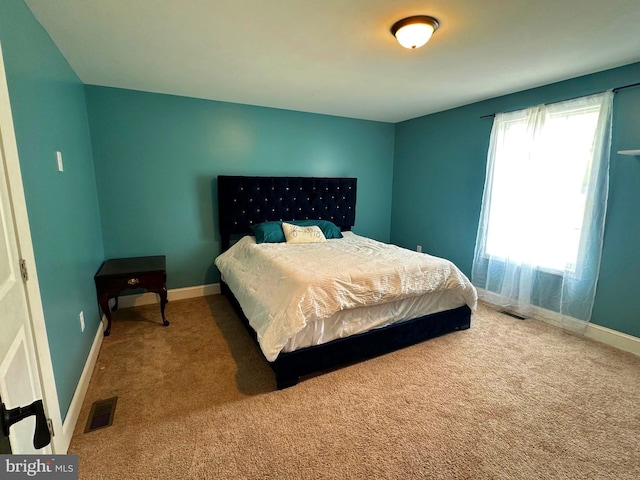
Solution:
(541, 226)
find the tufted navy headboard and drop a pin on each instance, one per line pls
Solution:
(246, 201)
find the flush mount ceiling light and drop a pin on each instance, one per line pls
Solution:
(413, 32)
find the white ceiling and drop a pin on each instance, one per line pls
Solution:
(338, 57)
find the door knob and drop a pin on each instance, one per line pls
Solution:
(41, 437)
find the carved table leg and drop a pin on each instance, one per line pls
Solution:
(163, 302)
(103, 300)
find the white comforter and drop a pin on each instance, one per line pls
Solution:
(280, 285)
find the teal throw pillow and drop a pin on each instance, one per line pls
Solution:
(268, 232)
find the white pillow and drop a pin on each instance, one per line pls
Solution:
(297, 234)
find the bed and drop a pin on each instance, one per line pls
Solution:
(317, 344)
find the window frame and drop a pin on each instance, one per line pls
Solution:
(575, 268)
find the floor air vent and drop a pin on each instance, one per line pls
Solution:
(514, 315)
(101, 414)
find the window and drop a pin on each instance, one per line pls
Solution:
(542, 219)
(540, 180)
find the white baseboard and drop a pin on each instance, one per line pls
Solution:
(147, 298)
(71, 419)
(620, 340)
(605, 335)
(601, 334)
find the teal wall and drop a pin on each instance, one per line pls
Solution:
(49, 114)
(156, 157)
(439, 172)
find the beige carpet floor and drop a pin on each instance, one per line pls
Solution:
(506, 399)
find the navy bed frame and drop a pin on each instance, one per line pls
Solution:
(246, 201)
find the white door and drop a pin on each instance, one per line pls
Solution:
(19, 375)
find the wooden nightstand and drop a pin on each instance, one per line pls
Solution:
(119, 274)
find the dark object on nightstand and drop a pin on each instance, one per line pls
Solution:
(120, 274)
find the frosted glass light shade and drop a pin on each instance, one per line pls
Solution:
(414, 32)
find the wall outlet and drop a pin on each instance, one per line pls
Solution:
(419, 248)
(81, 321)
